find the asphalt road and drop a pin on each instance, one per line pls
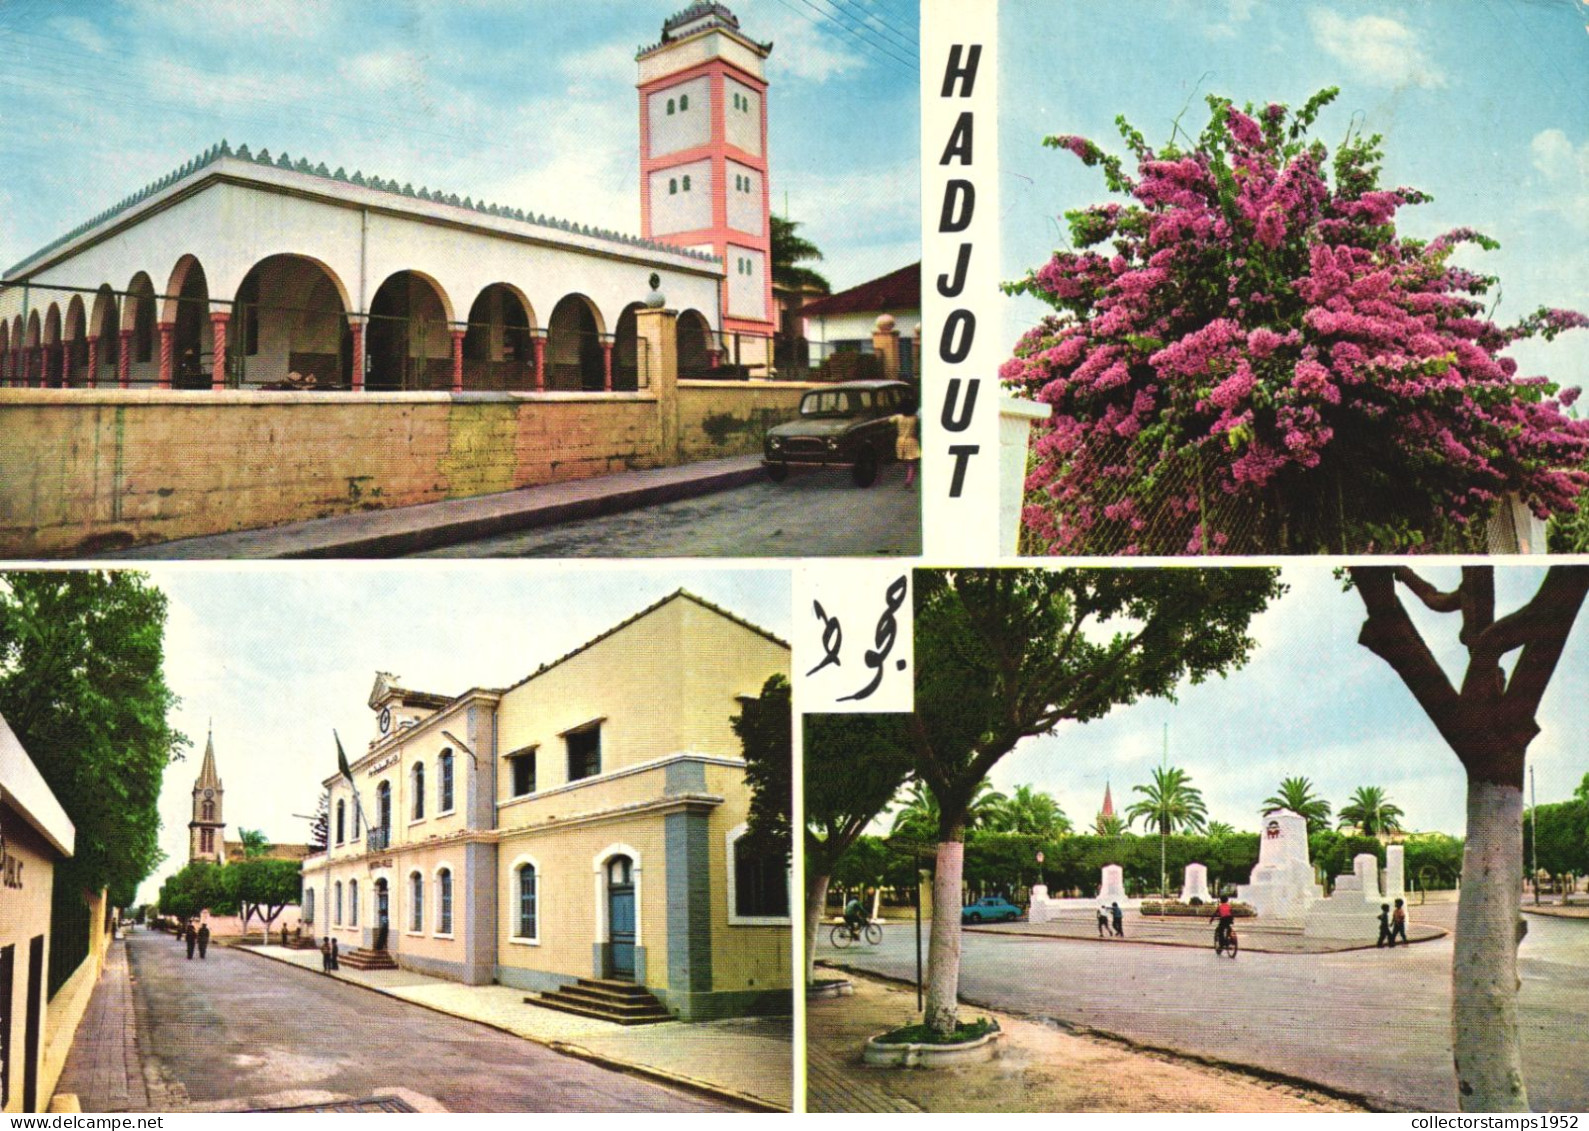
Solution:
(236, 1026)
(1373, 1023)
(812, 514)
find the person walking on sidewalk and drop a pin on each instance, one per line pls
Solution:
(336, 956)
(1119, 919)
(191, 939)
(325, 955)
(204, 939)
(1385, 935)
(1398, 924)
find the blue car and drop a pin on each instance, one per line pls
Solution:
(990, 909)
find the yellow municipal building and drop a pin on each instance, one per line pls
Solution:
(576, 835)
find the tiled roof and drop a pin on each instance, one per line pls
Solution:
(216, 152)
(898, 290)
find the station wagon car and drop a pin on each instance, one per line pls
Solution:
(845, 425)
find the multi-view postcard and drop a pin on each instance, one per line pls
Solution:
(1080, 519)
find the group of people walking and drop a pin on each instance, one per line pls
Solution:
(329, 956)
(196, 939)
(1392, 924)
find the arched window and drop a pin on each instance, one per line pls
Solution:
(383, 805)
(342, 816)
(670, 106)
(308, 906)
(336, 906)
(444, 902)
(684, 102)
(206, 840)
(444, 782)
(419, 790)
(673, 186)
(527, 922)
(758, 882)
(686, 182)
(353, 903)
(416, 900)
(208, 808)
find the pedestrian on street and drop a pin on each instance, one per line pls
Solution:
(907, 447)
(1119, 918)
(190, 937)
(1398, 924)
(284, 934)
(1103, 921)
(204, 939)
(325, 955)
(336, 956)
(1385, 937)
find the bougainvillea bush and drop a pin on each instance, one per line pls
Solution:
(1246, 356)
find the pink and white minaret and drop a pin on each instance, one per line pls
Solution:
(703, 155)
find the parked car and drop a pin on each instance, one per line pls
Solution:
(990, 909)
(845, 425)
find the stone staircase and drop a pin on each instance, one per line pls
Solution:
(622, 1002)
(362, 959)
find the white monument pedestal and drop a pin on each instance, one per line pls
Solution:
(1352, 911)
(1041, 909)
(1196, 885)
(1282, 887)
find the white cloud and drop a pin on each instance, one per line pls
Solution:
(1376, 49)
(811, 50)
(386, 70)
(1565, 169)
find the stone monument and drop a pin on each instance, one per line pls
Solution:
(1113, 887)
(1352, 911)
(1041, 909)
(1282, 886)
(1196, 885)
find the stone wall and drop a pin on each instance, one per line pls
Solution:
(83, 471)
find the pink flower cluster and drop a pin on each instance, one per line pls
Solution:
(1280, 329)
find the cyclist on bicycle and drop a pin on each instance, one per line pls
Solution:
(1224, 919)
(854, 916)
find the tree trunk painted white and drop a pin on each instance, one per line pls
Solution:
(1484, 982)
(816, 904)
(943, 952)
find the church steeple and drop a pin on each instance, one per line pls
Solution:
(206, 839)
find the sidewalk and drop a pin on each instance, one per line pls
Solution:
(1196, 932)
(1038, 1068)
(748, 1060)
(105, 1068)
(406, 530)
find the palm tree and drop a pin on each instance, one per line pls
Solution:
(919, 819)
(788, 251)
(1218, 830)
(1031, 812)
(1169, 803)
(1296, 794)
(1371, 811)
(1111, 825)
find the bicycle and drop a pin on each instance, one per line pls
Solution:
(1225, 945)
(843, 934)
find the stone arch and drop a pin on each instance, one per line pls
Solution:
(626, 367)
(289, 326)
(499, 344)
(695, 345)
(575, 359)
(410, 341)
(186, 307)
(52, 325)
(139, 317)
(104, 323)
(74, 341)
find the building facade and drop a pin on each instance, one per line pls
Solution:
(35, 834)
(207, 830)
(582, 823)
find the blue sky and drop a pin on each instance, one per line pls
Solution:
(528, 103)
(1482, 103)
(278, 657)
(1311, 702)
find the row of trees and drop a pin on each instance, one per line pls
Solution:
(1558, 834)
(253, 887)
(1004, 654)
(1003, 862)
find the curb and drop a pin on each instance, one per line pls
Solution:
(1372, 1103)
(688, 1083)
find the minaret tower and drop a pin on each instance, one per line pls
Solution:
(206, 831)
(703, 156)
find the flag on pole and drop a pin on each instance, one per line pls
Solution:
(347, 772)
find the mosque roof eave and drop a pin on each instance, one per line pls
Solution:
(221, 164)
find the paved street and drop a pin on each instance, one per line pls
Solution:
(814, 514)
(1371, 1023)
(237, 1027)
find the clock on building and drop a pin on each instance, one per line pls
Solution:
(385, 719)
(209, 794)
